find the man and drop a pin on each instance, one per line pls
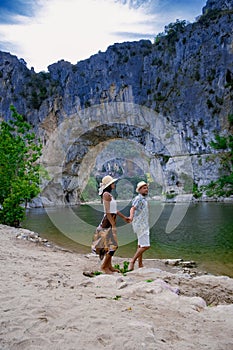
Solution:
(139, 216)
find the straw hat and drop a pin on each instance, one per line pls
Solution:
(140, 184)
(106, 181)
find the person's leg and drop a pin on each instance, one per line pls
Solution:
(143, 244)
(137, 255)
(140, 259)
(112, 249)
(140, 264)
(111, 268)
(106, 263)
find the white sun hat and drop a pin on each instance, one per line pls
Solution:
(140, 184)
(106, 181)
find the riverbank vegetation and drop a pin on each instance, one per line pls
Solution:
(224, 185)
(19, 170)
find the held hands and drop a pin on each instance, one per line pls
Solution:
(128, 219)
(125, 218)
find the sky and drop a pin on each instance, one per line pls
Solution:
(43, 32)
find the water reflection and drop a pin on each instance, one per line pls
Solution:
(205, 234)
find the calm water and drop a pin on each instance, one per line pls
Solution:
(204, 235)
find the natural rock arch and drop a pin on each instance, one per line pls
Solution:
(71, 151)
(81, 155)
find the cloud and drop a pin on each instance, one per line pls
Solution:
(70, 30)
(132, 36)
(160, 13)
(13, 11)
(187, 9)
(46, 31)
(8, 46)
(136, 3)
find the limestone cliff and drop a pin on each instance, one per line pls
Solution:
(185, 78)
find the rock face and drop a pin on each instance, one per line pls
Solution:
(218, 5)
(170, 97)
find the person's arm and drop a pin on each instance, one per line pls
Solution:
(123, 216)
(131, 213)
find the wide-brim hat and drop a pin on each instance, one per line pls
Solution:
(106, 181)
(140, 184)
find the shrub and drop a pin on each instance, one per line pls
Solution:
(19, 171)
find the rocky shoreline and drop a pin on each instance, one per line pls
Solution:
(46, 301)
(186, 269)
(43, 202)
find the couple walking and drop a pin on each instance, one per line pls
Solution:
(105, 239)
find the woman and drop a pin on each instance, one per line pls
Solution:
(106, 234)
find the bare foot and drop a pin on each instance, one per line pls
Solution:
(140, 265)
(111, 268)
(131, 267)
(107, 271)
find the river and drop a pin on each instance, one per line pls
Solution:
(205, 234)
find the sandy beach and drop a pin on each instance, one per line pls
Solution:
(47, 303)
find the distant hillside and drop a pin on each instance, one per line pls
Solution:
(186, 76)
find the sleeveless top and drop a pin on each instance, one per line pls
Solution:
(113, 206)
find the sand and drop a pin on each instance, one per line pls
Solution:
(47, 303)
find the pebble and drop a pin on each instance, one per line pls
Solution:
(180, 262)
(173, 262)
(188, 264)
(32, 237)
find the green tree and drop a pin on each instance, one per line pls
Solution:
(19, 170)
(171, 31)
(224, 185)
(174, 28)
(90, 192)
